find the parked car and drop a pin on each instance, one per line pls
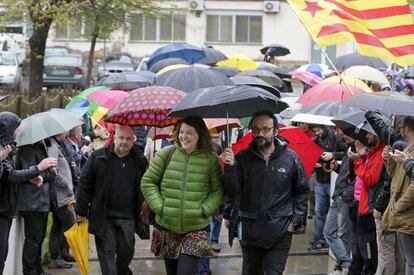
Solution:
(116, 63)
(143, 65)
(65, 69)
(9, 70)
(56, 50)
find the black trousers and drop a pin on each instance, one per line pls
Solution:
(115, 246)
(184, 265)
(364, 246)
(5, 225)
(258, 260)
(35, 224)
(63, 219)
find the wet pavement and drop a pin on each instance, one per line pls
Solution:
(228, 261)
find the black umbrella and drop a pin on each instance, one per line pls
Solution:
(159, 65)
(267, 76)
(192, 78)
(227, 71)
(343, 62)
(280, 72)
(386, 102)
(275, 50)
(227, 101)
(126, 81)
(355, 125)
(331, 109)
(212, 56)
(254, 81)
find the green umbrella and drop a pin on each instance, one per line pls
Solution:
(46, 124)
(83, 96)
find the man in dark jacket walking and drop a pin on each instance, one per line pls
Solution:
(109, 194)
(9, 127)
(333, 145)
(271, 183)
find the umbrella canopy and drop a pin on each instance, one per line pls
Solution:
(192, 78)
(306, 77)
(330, 109)
(386, 102)
(171, 68)
(349, 81)
(328, 92)
(355, 125)
(227, 101)
(80, 108)
(189, 53)
(82, 96)
(366, 73)
(319, 70)
(97, 115)
(306, 149)
(108, 99)
(280, 72)
(126, 81)
(238, 61)
(46, 124)
(345, 61)
(275, 50)
(146, 106)
(313, 119)
(264, 75)
(257, 82)
(161, 64)
(212, 56)
(227, 71)
(78, 239)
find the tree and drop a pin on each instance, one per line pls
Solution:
(107, 16)
(42, 13)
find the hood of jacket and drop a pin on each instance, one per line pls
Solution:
(8, 124)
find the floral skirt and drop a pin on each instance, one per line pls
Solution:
(167, 244)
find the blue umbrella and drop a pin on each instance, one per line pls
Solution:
(189, 53)
(315, 68)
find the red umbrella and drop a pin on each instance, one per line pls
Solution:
(328, 92)
(108, 98)
(299, 142)
(307, 77)
(147, 106)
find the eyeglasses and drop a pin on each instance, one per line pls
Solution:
(264, 130)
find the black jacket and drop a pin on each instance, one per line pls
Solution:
(94, 183)
(10, 176)
(330, 142)
(29, 196)
(381, 126)
(272, 193)
(344, 184)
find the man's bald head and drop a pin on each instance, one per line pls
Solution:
(124, 139)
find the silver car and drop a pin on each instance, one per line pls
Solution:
(116, 63)
(9, 70)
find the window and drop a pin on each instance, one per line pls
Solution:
(234, 28)
(168, 27)
(66, 31)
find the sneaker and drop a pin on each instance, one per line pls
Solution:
(216, 247)
(345, 271)
(59, 263)
(316, 246)
(300, 230)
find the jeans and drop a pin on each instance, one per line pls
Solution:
(322, 201)
(35, 224)
(5, 225)
(406, 243)
(215, 224)
(260, 261)
(338, 232)
(63, 219)
(115, 246)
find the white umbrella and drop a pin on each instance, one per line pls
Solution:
(313, 119)
(366, 73)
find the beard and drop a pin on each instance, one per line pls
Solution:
(261, 142)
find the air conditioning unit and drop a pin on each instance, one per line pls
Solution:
(271, 6)
(196, 5)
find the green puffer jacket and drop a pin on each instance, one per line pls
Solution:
(187, 193)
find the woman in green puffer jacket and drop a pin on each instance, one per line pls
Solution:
(183, 186)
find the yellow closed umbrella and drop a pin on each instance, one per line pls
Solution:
(238, 61)
(78, 240)
(349, 81)
(171, 67)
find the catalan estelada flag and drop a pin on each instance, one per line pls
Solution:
(380, 28)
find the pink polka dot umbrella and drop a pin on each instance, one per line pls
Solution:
(147, 106)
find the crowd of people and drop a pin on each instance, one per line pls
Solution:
(194, 181)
